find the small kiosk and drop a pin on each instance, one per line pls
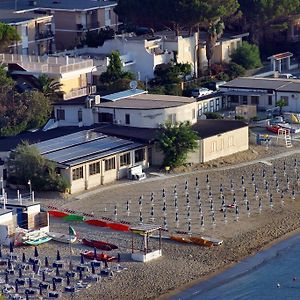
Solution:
(144, 231)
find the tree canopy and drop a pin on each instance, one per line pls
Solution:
(26, 163)
(8, 35)
(175, 141)
(247, 55)
(50, 87)
(19, 112)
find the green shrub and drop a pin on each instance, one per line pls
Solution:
(235, 70)
(213, 115)
(247, 55)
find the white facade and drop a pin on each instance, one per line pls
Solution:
(152, 118)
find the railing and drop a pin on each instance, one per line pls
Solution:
(50, 64)
(80, 92)
(44, 35)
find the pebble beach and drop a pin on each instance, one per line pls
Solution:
(183, 265)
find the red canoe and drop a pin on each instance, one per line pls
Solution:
(99, 245)
(96, 223)
(57, 214)
(118, 226)
(99, 257)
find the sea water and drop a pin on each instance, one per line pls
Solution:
(271, 274)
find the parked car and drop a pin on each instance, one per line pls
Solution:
(287, 76)
(214, 85)
(199, 92)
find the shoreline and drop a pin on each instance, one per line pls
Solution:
(219, 277)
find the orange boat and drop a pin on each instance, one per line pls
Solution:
(201, 241)
(180, 239)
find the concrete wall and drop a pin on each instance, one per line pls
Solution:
(153, 117)
(225, 144)
(293, 101)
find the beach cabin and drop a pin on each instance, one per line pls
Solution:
(28, 215)
(7, 226)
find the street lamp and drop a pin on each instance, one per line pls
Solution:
(30, 188)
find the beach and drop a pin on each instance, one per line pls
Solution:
(183, 265)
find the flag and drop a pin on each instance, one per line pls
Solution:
(72, 231)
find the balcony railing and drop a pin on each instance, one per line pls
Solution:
(44, 35)
(80, 92)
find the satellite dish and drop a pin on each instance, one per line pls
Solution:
(133, 84)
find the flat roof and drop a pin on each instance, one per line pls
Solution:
(280, 56)
(69, 5)
(18, 204)
(208, 128)
(278, 84)
(4, 211)
(84, 146)
(148, 101)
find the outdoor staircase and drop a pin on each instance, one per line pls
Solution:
(288, 141)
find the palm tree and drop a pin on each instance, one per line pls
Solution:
(215, 30)
(281, 103)
(50, 87)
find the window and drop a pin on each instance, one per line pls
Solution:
(139, 155)
(234, 98)
(110, 164)
(127, 119)
(193, 113)
(213, 146)
(94, 168)
(254, 100)
(200, 110)
(77, 173)
(60, 114)
(230, 141)
(270, 100)
(105, 118)
(245, 100)
(172, 118)
(80, 115)
(125, 159)
(205, 107)
(217, 104)
(211, 105)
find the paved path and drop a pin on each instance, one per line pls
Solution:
(265, 160)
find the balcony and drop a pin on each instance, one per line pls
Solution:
(43, 35)
(80, 92)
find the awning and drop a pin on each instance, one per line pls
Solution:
(244, 93)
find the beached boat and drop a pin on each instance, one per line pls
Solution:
(118, 226)
(39, 241)
(180, 239)
(99, 245)
(61, 237)
(200, 241)
(99, 256)
(95, 222)
(31, 235)
(74, 218)
(57, 214)
(216, 242)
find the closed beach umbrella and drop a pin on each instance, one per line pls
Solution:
(11, 247)
(46, 262)
(197, 183)
(189, 228)
(293, 195)
(44, 276)
(225, 215)
(152, 211)
(175, 190)
(252, 177)
(80, 274)
(23, 257)
(81, 259)
(231, 185)
(186, 186)
(57, 271)
(271, 200)
(248, 208)
(259, 205)
(20, 273)
(6, 277)
(207, 179)
(202, 221)
(58, 255)
(243, 180)
(93, 269)
(176, 217)
(127, 207)
(30, 282)
(141, 217)
(115, 212)
(213, 218)
(187, 199)
(36, 253)
(163, 193)
(165, 223)
(41, 289)
(140, 201)
(16, 286)
(237, 211)
(68, 278)
(53, 284)
(234, 200)
(95, 253)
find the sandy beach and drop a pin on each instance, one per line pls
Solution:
(183, 265)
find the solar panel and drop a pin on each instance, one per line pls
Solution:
(86, 149)
(123, 94)
(68, 141)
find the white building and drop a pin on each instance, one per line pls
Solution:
(263, 92)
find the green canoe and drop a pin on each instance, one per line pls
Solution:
(74, 218)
